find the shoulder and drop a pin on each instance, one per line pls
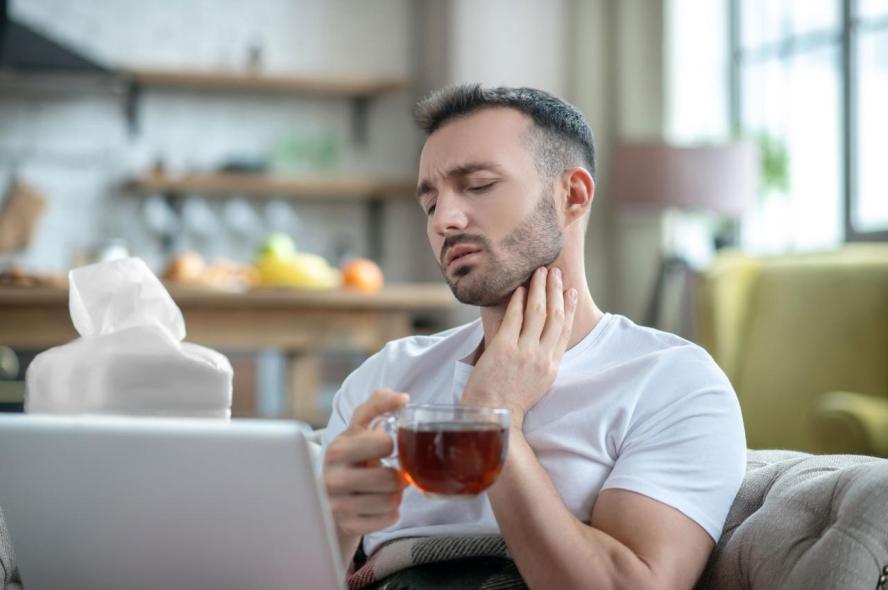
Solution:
(667, 357)
(667, 380)
(682, 442)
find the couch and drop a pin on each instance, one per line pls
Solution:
(799, 521)
(804, 340)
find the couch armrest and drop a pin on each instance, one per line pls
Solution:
(848, 422)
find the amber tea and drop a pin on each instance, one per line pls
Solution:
(448, 450)
(452, 458)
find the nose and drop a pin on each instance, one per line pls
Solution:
(449, 214)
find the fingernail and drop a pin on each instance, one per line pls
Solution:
(573, 295)
(557, 273)
(542, 270)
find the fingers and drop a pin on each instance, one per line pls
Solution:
(555, 305)
(359, 514)
(535, 310)
(382, 401)
(365, 504)
(550, 311)
(372, 480)
(571, 298)
(364, 497)
(356, 448)
(510, 327)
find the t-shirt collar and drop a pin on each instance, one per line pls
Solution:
(475, 335)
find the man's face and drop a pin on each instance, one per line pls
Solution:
(491, 219)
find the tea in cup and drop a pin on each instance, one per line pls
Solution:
(448, 450)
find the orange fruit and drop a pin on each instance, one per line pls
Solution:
(363, 275)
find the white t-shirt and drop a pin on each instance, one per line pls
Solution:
(631, 408)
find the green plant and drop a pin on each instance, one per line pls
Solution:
(774, 164)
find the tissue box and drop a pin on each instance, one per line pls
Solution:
(130, 358)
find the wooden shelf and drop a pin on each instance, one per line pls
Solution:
(261, 185)
(398, 296)
(356, 86)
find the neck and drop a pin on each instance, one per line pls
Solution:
(586, 317)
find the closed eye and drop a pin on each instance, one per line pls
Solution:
(481, 188)
(430, 210)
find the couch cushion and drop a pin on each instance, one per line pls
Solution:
(804, 521)
(8, 573)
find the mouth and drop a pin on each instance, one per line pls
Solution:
(460, 252)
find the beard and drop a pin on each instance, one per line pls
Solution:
(535, 242)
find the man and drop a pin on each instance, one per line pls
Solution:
(626, 446)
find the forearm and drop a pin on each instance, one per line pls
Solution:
(551, 548)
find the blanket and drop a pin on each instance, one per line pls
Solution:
(458, 562)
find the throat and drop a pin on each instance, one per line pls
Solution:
(475, 355)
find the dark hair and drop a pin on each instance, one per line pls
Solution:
(562, 138)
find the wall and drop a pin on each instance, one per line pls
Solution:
(592, 69)
(618, 81)
(75, 149)
(510, 42)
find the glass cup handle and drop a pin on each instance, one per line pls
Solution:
(389, 425)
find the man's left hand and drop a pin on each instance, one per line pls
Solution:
(520, 363)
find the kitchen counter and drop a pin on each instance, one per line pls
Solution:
(302, 323)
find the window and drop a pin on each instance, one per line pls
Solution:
(810, 80)
(869, 207)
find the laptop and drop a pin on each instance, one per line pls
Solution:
(96, 502)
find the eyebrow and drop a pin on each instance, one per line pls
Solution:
(457, 171)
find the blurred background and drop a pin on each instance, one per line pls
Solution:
(261, 157)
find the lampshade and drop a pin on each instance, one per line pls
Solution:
(720, 178)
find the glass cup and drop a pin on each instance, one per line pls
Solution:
(448, 450)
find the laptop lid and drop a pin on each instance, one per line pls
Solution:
(115, 502)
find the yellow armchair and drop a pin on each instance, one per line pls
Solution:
(804, 340)
(846, 422)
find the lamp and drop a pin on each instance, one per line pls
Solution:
(718, 179)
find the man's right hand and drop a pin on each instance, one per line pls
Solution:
(365, 496)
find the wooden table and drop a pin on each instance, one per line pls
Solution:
(301, 323)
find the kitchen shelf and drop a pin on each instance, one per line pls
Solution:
(348, 86)
(340, 187)
(371, 191)
(359, 89)
(396, 296)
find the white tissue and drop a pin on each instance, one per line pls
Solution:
(130, 358)
(110, 297)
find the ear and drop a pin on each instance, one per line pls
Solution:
(579, 188)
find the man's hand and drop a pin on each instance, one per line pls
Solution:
(521, 361)
(364, 495)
